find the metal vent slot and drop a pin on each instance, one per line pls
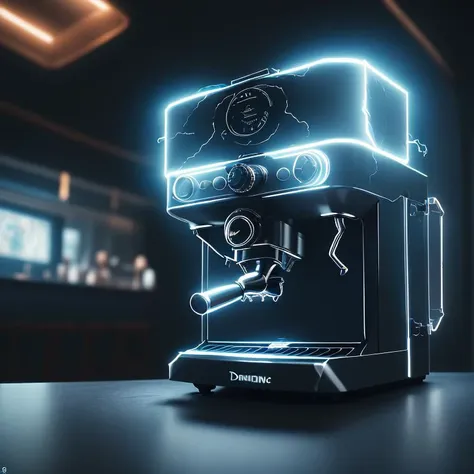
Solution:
(293, 351)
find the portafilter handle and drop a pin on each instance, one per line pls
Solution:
(253, 283)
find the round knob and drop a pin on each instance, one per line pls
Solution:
(283, 174)
(219, 183)
(311, 167)
(184, 188)
(242, 228)
(243, 178)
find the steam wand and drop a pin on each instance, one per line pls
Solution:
(341, 227)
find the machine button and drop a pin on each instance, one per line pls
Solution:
(283, 174)
(184, 188)
(219, 183)
(243, 178)
(311, 166)
(203, 185)
(242, 228)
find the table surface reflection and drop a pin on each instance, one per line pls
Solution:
(167, 427)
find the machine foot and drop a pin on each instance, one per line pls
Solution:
(204, 389)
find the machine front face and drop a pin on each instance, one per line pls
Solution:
(313, 228)
(317, 305)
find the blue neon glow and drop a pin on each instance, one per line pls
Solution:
(280, 154)
(287, 152)
(434, 327)
(324, 167)
(421, 147)
(320, 367)
(243, 355)
(369, 144)
(407, 283)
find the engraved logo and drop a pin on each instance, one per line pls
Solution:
(259, 379)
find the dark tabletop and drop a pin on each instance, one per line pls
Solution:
(167, 427)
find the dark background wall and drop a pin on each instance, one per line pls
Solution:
(165, 55)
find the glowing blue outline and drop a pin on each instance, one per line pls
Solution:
(407, 282)
(192, 179)
(269, 357)
(324, 168)
(260, 343)
(343, 214)
(324, 365)
(279, 154)
(319, 62)
(435, 201)
(243, 355)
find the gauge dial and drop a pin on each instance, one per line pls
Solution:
(184, 188)
(311, 167)
(242, 228)
(248, 112)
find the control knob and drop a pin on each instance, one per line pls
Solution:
(184, 188)
(311, 166)
(243, 178)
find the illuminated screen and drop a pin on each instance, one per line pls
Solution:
(23, 237)
(71, 244)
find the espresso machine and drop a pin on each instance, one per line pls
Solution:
(321, 251)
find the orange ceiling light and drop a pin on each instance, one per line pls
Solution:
(413, 29)
(58, 32)
(25, 26)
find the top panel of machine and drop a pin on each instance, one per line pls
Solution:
(328, 101)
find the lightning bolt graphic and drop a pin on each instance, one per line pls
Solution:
(365, 110)
(287, 104)
(162, 139)
(376, 167)
(303, 122)
(194, 110)
(286, 111)
(212, 134)
(421, 147)
(202, 146)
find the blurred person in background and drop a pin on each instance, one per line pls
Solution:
(63, 270)
(100, 275)
(143, 276)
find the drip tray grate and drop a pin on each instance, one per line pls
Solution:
(293, 351)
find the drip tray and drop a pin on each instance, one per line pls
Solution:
(290, 350)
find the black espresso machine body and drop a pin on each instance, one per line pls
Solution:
(321, 250)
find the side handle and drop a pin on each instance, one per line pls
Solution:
(435, 262)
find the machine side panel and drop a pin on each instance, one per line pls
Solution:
(388, 125)
(418, 292)
(392, 301)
